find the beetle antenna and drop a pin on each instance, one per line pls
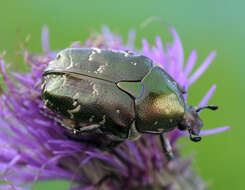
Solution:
(211, 107)
(193, 138)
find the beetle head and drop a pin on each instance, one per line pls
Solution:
(192, 122)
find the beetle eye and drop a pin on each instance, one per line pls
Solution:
(58, 56)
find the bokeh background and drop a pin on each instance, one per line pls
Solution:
(203, 25)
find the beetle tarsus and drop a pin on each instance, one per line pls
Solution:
(89, 128)
(167, 149)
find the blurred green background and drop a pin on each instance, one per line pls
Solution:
(203, 25)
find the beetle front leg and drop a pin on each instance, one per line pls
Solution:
(167, 149)
(89, 128)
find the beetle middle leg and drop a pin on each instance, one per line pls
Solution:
(166, 147)
(89, 128)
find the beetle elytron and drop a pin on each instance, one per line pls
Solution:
(118, 93)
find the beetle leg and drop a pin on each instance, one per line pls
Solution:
(89, 128)
(167, 149)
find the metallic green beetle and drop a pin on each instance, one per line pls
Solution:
(118, 93)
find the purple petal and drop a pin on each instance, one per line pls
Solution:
(3, 71)
(207, 96)
(135, 151)
(214, 131)
(178, 48)
(190, 63)
(10, 187)
(106, 33)
(209, 131)
(131, 40)
(45, 39)
(162, 57)
(202, 68)
(105, 158)
(23, 79)
(175, 135)
(146, 48)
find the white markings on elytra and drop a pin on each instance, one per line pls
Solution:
(76, 96)
(97, 50)
(90, 57)
(91, 119)
(94, 51)
(118, 111)
(91, 83)
(45, 103)
(102, 122)
(101, 68)
(64, 81)
(71, 62)
(133, 63)
(43, 85)
(75, 103)
(115, 51)
(156, 122)
(95, 90)
(75, 110)
(126, 54)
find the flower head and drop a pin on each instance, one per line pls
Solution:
(34, 147)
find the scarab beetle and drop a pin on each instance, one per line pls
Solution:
(119, 93)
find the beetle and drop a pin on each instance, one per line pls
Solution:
(118, 93)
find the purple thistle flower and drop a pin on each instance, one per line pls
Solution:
(34, 147)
